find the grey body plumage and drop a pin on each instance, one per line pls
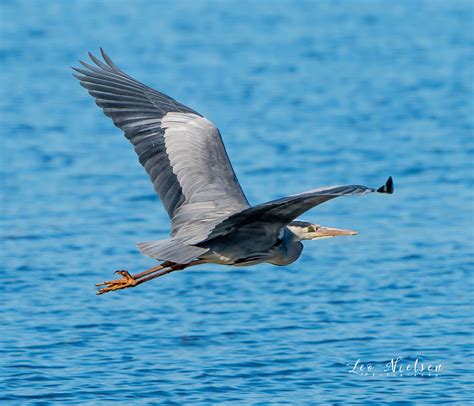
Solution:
(183, 153)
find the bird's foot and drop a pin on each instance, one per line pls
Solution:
(127, 281)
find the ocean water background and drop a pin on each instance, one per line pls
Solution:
(306, 94)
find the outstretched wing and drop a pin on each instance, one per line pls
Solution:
(182, 151)
(270, 217)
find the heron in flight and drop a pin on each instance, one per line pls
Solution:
(211, 219)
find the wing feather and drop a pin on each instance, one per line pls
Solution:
(182, 152)
(271, 216)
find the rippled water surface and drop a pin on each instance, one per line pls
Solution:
(306, 94)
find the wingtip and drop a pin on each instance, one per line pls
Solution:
(78, 70)
(107, 59)
(104, 55)
(85, 64)
(388, 187)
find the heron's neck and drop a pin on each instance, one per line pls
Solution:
(286, 253)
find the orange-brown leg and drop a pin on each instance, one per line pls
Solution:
(129, 281)
(173, 268)
(151, 270)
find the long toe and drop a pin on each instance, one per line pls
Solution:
(127, 281)
(111, 289)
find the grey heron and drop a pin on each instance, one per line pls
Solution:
(185, 158)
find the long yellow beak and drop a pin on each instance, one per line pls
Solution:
(334, 232)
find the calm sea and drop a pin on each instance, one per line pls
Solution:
(306, 94)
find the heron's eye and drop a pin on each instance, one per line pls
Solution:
(312, 228)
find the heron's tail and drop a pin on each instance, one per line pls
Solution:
(171, 250)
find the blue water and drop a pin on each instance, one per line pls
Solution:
(306, 94)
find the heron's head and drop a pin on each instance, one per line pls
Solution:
(307, 231)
